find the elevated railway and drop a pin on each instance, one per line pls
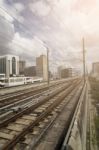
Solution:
(23, 102)
(14, 131)
(14, 97)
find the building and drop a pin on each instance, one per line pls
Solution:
(30, 71)
(95, 69)
(76, 72)
(60, 68)
(21, 67)
(41, 67)
(65, 73)
(9, 65)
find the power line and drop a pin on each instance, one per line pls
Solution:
(16, 20)
(58, 19)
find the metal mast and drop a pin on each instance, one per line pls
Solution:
(48, 65)
(84, 63)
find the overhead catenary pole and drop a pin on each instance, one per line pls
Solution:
(48, 66)
(47, 49)
(84, 63)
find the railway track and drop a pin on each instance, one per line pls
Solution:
(14, 130)
(32, 87)
(28, 87)
(53, 138)
(36, 102)
(18, 96)
(15, 107)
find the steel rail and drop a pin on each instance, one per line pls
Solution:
(9, 95)
(31, 108)
(58, 100)
(55, 116)
(8, 100)
(19, 101)
(25, 102)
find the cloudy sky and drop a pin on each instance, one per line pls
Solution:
(26, 25)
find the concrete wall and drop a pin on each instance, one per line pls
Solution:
(77, 140)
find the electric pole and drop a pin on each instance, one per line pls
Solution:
(84, 63)
(47, 49)
(48, 66)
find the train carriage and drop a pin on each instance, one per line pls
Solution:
(2, 80)
(15, 81)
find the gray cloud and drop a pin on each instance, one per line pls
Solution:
(6, 35)
(60, 23)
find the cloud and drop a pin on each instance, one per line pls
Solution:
(40, 8)
(19, 7)
(6, 16)
(13, 9)
(60, 23)
(84, 6)
(27, 49)
(6, 35)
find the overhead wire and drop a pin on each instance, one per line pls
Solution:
(26, 28)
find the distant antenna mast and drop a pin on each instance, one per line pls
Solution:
(48, 65)
(84, 64)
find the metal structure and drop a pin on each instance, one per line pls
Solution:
(84, 61)
(48, 105)
(78, 125)
(48, 65)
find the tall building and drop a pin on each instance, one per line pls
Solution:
(30, 71)
(41, 67)
(65, 73)
(95, 68)
(60, 68)
(9, 65)
(21, 67)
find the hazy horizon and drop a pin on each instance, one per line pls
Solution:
(24, 25)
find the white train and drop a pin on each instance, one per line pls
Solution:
(15, 81)
(2, 80)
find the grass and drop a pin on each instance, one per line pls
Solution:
(96, 120)
(95, 95)
(94, 89)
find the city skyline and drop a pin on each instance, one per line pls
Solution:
(49, 74)
(61, 24)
